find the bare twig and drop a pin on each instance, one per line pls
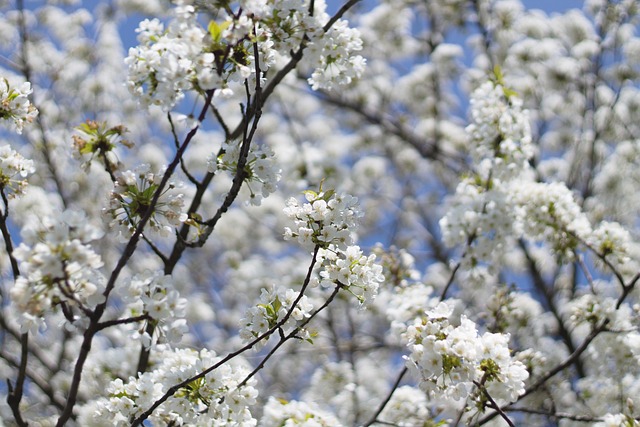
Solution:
(387, 399)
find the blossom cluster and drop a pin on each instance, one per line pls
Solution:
(333, 52)
(214, 399)
(272, 309)
(499, 131)
(185, 56)
(327, 219)
(131, 199)
(593, 310)
(262, 172)
(482, 213)
(169, 62)
(356, 272)
(279, 412)
(15, 105)
(154, 295)
(330, 53)
(457, 362)
(550, 212)
(613, 242)
(58, 267)
(500, 201)
(14, 168)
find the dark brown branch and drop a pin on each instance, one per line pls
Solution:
(128, 252)
(39, 382)
(427, 149)
(110, 323)
(176, 143)
(541, 286)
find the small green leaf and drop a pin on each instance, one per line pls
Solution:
(216, 30)
(328, 194)
(497, 73)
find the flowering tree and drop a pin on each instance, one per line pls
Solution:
(279, 213)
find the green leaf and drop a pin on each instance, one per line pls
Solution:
(497, 73)
(148, 193)
(328, 194)
(216, 30)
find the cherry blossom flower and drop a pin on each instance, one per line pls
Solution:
(15, 105)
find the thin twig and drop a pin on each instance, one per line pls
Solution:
(557, 369)
(494, 405)
(290, 335)
(172, 390)
(110, 323)
(384, 403)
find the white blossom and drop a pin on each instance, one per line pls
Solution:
(59, 268)
(326, 219)
(15, 105)
(453, 361)
(215, 397)
(14, 168)
(273, 308)
(131, 199)
(262, 171)
(278, 412)
(156, 296)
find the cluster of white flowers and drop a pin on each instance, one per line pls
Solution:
(333, 54)
(15, 105)
(482, 213)
(500, 132)
(14, 168)
(131, 199)
(481, 219)
(330, 53)
(550, 212)
(280, 413)
(214, 399)
(327, 219)
(185, 56)
(501, 201)
(182, 57)
(406, 304)
(58, 268)
(326, 222)
(358, 273)
(617, 420)
(154, 295)
(289, 21)
(261, 168)
(458, 363)
(162, 66)
(613, 241)
(272, 309)
(593, 310)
